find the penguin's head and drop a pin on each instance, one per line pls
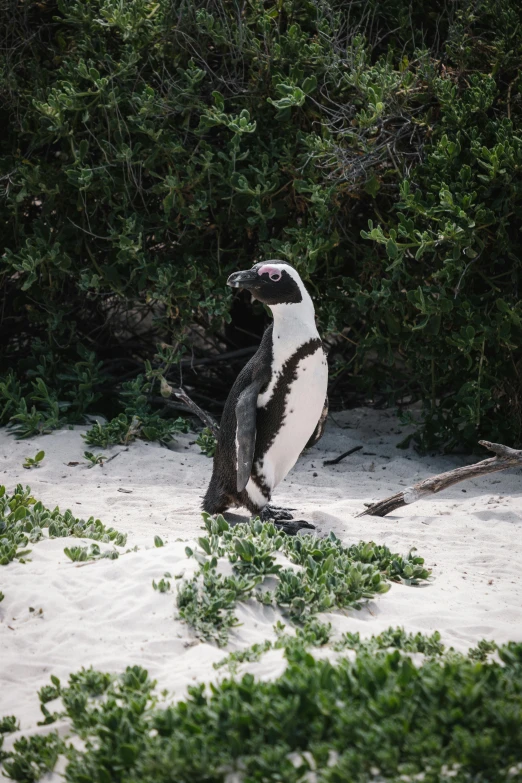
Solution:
(271, 282)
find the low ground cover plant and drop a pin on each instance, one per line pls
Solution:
(378, 716)
(207, 442)
(23, 520)
(326, 575)
(94, 459)
(34, 462)
(139, 419)
(313, 633)
(79, 554)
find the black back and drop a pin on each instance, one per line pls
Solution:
(222, 491)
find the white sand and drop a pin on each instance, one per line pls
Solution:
(107, 615)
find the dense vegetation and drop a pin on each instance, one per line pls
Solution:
(378, 717)
(151, 148)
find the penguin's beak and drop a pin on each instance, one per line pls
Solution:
(247, 279)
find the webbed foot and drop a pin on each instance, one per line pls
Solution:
(283, 520)
(275, 513)
(292, 528)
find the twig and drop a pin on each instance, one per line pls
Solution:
(115, 455)
(206, 418)
(341, 456)
(505, 458)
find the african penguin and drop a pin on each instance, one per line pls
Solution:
(277, 405)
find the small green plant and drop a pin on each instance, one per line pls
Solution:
(312, 633)
(27, 420)
(33, 757)
(80, 554)
(207, 602)
(94, 459)
(395, 638)
(118, 430)
(34, 462)
(139, 420)
(50, 692)
(23, 520)
(482, 650)
(249, 655)
(207, 442)
(163, 586)
(158, 542)
(8, 724)
(57, 390)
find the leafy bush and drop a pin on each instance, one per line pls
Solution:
(151, 149)
(376, 717)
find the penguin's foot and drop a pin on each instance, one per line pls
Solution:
(283, 520)
(275, 514)
(291, 528)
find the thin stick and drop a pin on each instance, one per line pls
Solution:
(205, 417)
(505, 458)
(115, 455)
(341, 456)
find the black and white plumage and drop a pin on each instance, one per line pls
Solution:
(277, 405)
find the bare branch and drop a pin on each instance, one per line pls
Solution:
(342, 456)
(505, 458)
(206, 418)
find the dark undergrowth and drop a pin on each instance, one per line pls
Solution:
(150, 149)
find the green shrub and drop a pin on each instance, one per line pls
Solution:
(152, 148)
(376, 717)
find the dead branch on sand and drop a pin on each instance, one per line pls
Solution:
(205, 417)
(505, 458)
(341, 456)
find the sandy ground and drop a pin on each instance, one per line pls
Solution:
(106, 613)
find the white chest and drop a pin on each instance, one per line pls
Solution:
(303, 404)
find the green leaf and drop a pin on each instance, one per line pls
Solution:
(391, 249)
(372, 187)
(205, 545)
(309, 84)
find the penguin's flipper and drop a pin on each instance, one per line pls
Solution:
(246, 415)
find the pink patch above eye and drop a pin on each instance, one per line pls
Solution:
(273, 271)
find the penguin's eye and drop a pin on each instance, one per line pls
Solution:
(272, 271)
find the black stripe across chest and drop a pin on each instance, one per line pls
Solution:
(270, 417)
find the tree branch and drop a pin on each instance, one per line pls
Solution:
(205, 417)
(505, 458)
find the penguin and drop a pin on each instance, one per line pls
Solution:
(278, 404)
